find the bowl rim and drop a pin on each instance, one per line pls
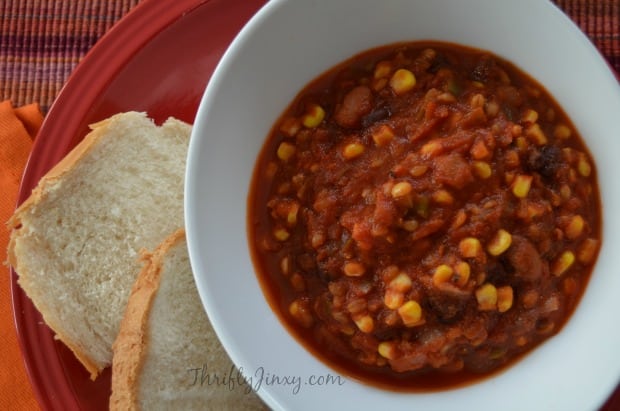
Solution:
(207, 106)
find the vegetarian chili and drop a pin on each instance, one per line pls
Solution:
(423, 214)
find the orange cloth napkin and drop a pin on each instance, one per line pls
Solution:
(17, 130)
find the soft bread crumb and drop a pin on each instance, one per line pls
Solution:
(164, 334)
(76, 240)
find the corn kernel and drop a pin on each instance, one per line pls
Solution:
(521, 185)
(535, 133)
(387, 350)
(285, 151)
(486, 297)
(290, 126)
(402, 81)
(402, 283)
(382, 135)
(442, 197)
(500, 242)
(418, 171)
(301, 313)
(410, 313)
(462, 272)
(529, 116)
(281, 234)
(575, 227)
(442, 274)
(313, 117)
(401, 189)
(587, 251)
(563, 263)
(522, 143)
(382, 69)
(562, 131)
(431, 148)
(393, 299)
(365, 324)
(482, 169)
(565, 192)
(353, 150)
(584, 168)
(505, 298)
(354, 269)
(470, 247)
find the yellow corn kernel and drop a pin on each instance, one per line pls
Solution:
(353, 150)
(401, 189)
(281, 234)
(482, 169)
(499, 243)
(402, 283)
(354, 269)
(402, 81)
(365, 323)
(583, 167)
(470, 247)
(535, 133)
(382, 69)
(565, 192)
(562, 131)
(505, 297)
(290, 126)
(477, 84)
(575, 227)
(418, 171)
(411, 313)
(313, 117)
(393, 299)
(521, 185)
(462, 271)
(442, 197)
(442, 274)
(487, 297)
(529, 116)
(285, 151)
(522, 143)
(431, 148)
(387, 350)
(563, 263)
(301, 313)
(382, 135)
(587, 251)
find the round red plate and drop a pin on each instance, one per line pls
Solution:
(157, 59)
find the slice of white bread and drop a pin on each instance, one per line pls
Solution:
(76, 241)
(166, 339)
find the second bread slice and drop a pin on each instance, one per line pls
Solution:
(167, 355)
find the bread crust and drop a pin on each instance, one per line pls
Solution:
(50, 182)
(130, 345)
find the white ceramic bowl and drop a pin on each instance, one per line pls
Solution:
(287, 44)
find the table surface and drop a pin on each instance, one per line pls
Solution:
(41, 42)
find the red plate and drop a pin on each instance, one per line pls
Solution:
(157, 59)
